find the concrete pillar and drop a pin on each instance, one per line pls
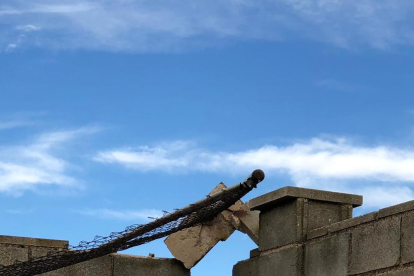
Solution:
(288, 214)
(286, 217)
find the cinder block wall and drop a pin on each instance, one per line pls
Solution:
(23, 249)
(307, 232)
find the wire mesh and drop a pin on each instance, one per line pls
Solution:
(134, 235)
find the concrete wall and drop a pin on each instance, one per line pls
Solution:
(23, 249)
(303, 232)
(311, 233)
(124, 265)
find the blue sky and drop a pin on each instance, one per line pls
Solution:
(112, 111)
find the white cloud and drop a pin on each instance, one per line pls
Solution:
(26, 167)
(144, 215)
(338, 159)
(43, 7)
(316, 163)
(11, 47)
(178, 25)
(61, 8)
(28, 28)
(167, 157)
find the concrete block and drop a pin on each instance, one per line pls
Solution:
(249, 223)
(97, 267)
(280, 226)
(289, 193)
(367, 218)
(192, 244)
(33, 242)
(407, 236)
(254, 253)
(36, 252)
(11, 253)
(393, 210)
(375, 245)
(247, 268)
(347, 211)
(318, 232)
(328, 257)
(322, 213)
(125, 265)
(286, 262)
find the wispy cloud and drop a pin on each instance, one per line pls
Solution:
(320, 158)
(166, 157)
(128, 215)
(11, 47)
(174, 26)
(313, 163)
(45, 8)
(28, 28)
(14, 124)
(37, 163)
(19, 119)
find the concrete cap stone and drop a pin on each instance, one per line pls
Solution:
(33, 242)
(289, 193)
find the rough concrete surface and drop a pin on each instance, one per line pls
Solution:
(192, 244)
(9, 254)
(328, 257)
(322, 213)
(283, 262)
(396, 209)
(248, 222)
(97, 267)
(247, 268)
(279, 226)
(375, 246)
(316, 233)
(407, 236)
(353, 222)
(403, 272)
(124, 265)
(286, 262)
(36, 252)
(33, 242)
